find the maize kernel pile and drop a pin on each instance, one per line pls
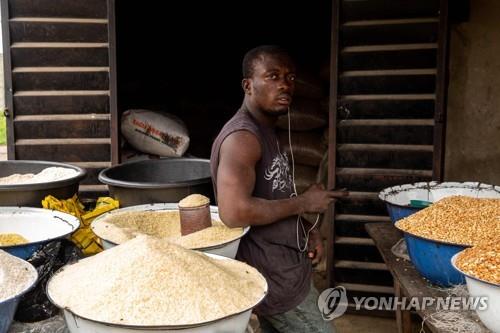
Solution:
(457, 219)
(482, 262)
(12, 239)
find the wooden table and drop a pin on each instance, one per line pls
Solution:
(408, 282)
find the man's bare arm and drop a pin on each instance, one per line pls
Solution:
(239, 154)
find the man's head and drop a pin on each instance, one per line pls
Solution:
(268, 79)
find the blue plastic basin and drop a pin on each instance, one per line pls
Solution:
(397, 212)
(432, 259)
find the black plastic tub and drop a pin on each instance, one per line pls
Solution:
(158, 181)
(31, 195)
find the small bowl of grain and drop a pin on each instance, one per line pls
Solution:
(480, 266)
(163, 220)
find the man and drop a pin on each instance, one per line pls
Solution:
(254, 187)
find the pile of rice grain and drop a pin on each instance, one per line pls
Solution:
(148, 281)
(15, 275)
(457, 219)
(12, 239)
(46, 175)
(123, 226)
(482, 262)
(194, 200)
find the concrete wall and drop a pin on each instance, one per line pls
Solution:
(473, 129)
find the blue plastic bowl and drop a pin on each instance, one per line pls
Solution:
(8, 307)
(432, 259)
(397, 212)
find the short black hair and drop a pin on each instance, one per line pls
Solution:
(257, 53)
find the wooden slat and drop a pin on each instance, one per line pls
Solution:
(37, 102)
(388, 59)
(382, 147)
(62, 126)
(366, 218)
(387, 84)
(382, 156)
(386, 122)
(354, 241)
(58, 20)
(376, 172)
(419, 32)
(369, 23)
(368, 288)
(388, 72)
(59, 8)
(389, 47)
(386, 108)
(350, 264)
(378, 180)
(387, 9)
(61, 80)
(78, 149)
(25, 56)
(22, 31)
(390, 97)
(360, 202)
(386, 134)
(93, 169)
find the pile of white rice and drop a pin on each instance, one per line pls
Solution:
(46, 175)
(16, 275)
(122, 226)
(148, 281)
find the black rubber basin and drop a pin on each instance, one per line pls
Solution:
(165, 180)
(31, 195)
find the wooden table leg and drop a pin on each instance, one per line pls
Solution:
(403, 317)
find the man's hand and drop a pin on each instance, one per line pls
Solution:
(316, 199)
(315, 247)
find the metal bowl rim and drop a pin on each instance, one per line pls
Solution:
(382, 195)
(158, 327)
(82, 173)
(43, 211)
(213, 209)
(103, 178)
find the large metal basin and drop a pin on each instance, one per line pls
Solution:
(39, 226)
(398, 198)
(31, 195)
(491, 291)
(235, 323)
(156, 181)
(227, 249)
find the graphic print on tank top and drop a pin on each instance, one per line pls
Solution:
(279, 173)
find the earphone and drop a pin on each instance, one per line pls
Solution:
(294, 194)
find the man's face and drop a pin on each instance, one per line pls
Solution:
(272, 84)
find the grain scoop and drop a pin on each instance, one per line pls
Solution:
(194, 211)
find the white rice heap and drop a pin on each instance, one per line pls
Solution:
(15, 275)
(46, 175)
(122, 226)
(148, 281)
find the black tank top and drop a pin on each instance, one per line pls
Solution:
(271, 249)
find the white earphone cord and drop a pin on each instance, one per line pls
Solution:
(294, 194)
